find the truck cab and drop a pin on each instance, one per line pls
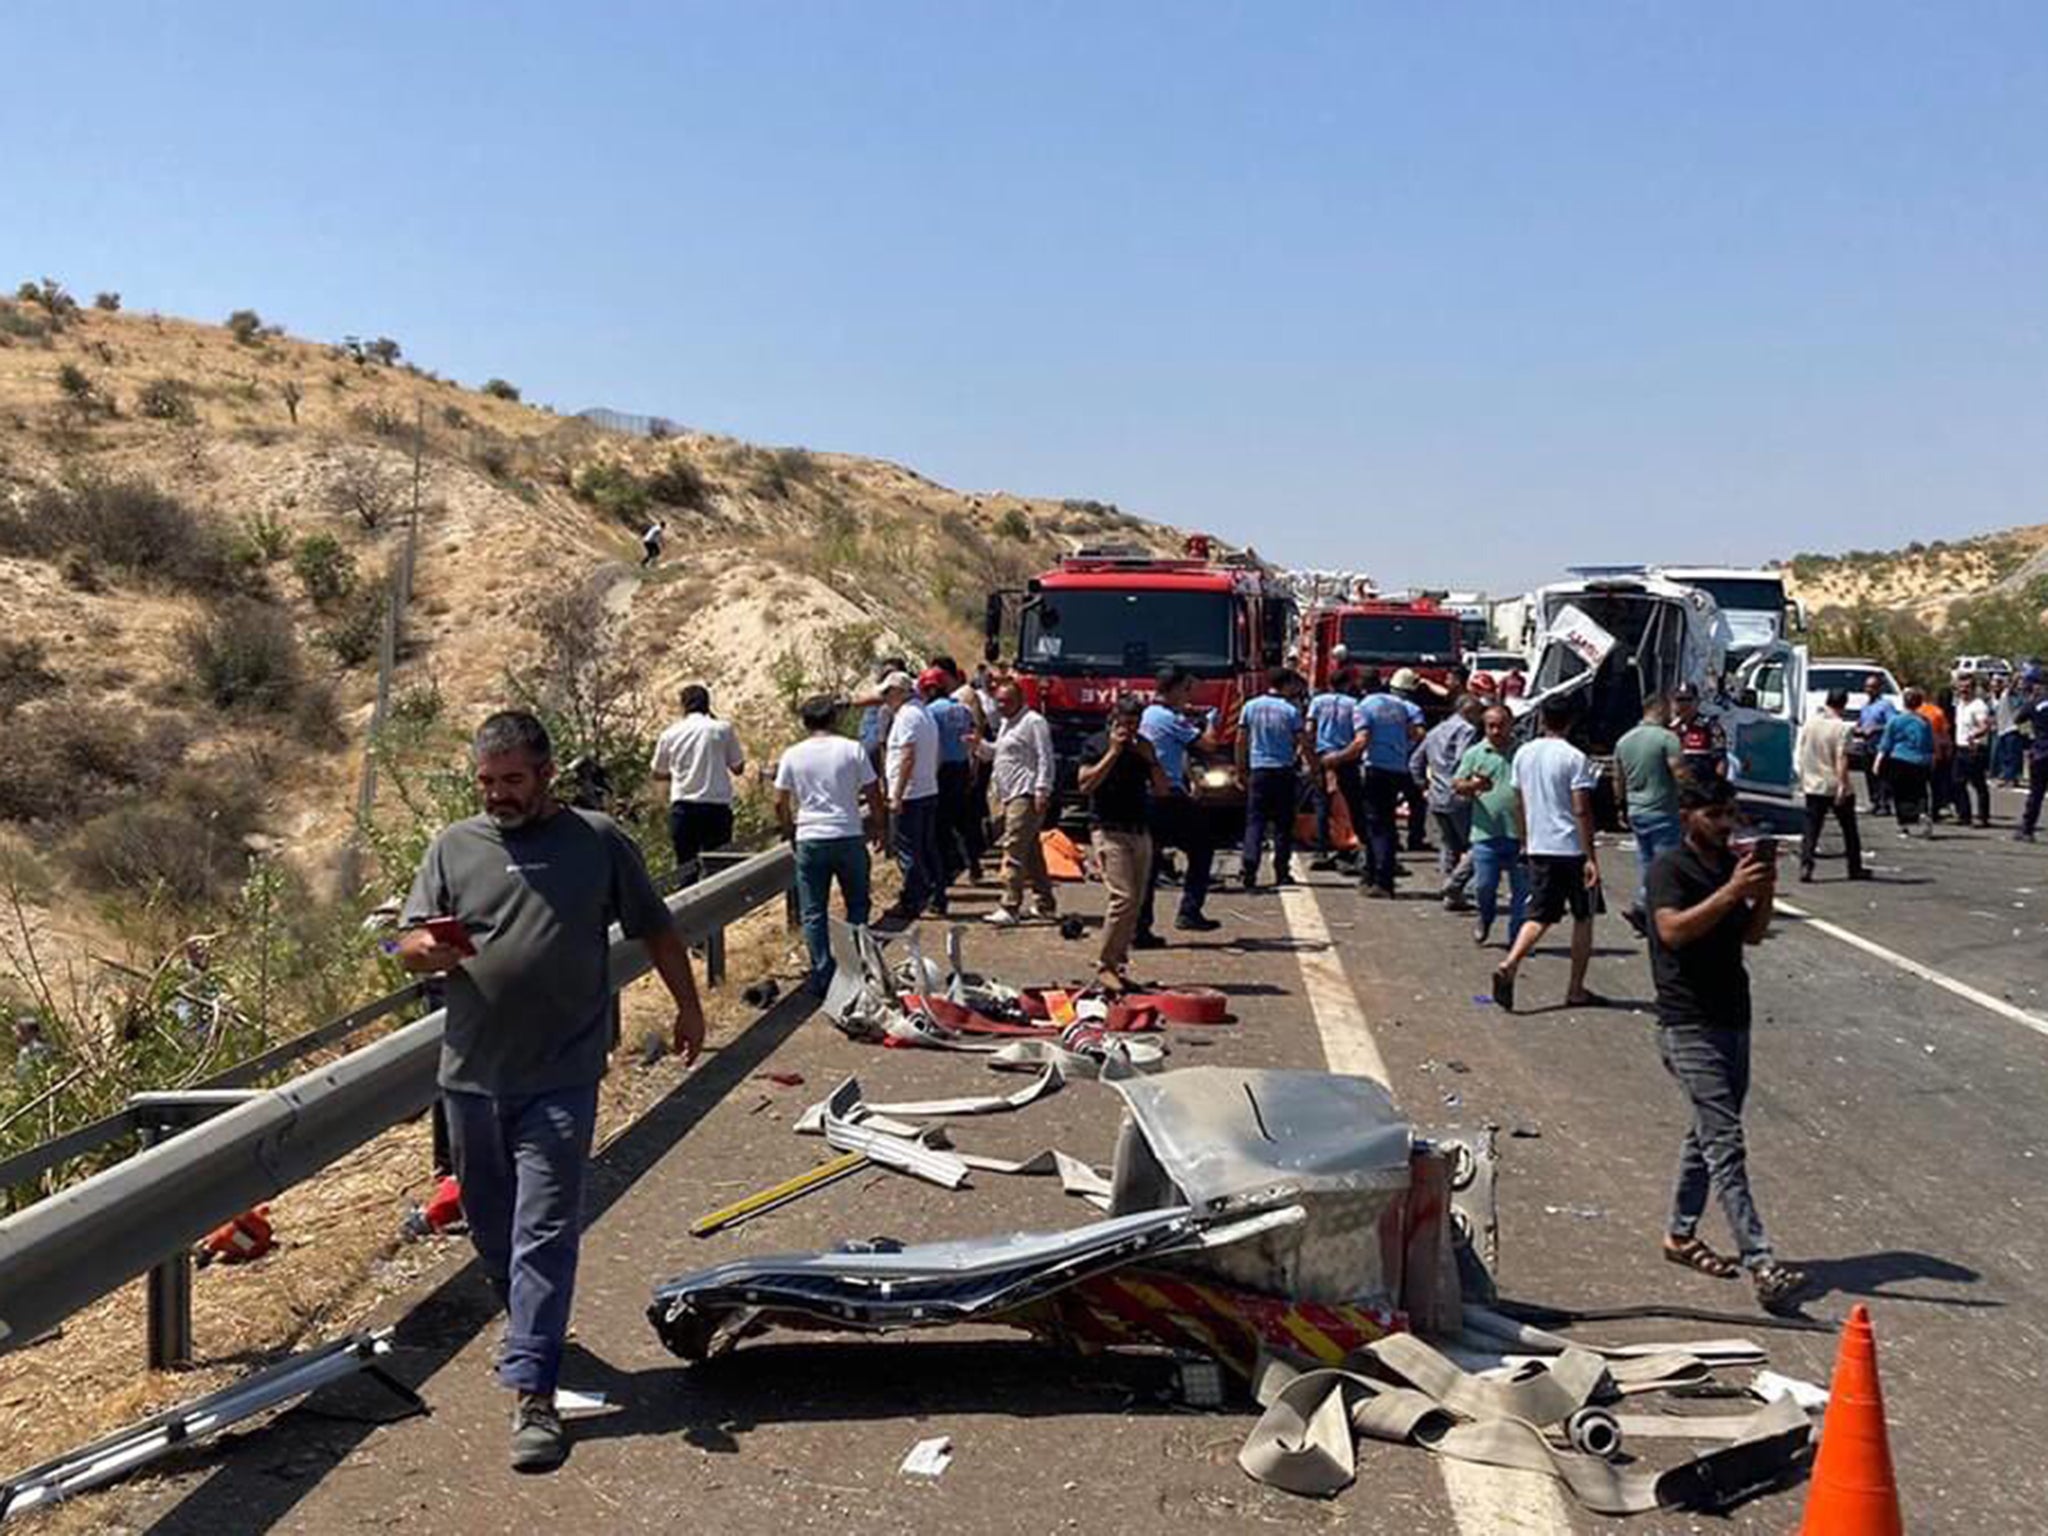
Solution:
(1389, 634)
(1778, 688)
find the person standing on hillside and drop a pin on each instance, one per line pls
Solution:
(1702, 744)
(1871, 720)
(1332, 716)
(1824, 781)
(1435, 760)
(651, 540)
(1706, 907)
(1119, 774)
(1386, 730)
(955, 726)
(1485, 778)
(1905, 760)
(911, 781)
(828, 802)
(1270, 749)
(701, 754)
(535, 887)
(1975, 732)
(1024, 774)
(1649, 761)
(1554, 783)
(1176, 821)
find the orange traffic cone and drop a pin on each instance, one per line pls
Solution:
(1854, 1492)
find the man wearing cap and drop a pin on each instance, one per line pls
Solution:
(911, 774)
(1407, 685)
(1385, 734)
(1702, 744)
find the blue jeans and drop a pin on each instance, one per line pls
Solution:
(819, 862)
(1712, 1066)
(1490, 856)
(2007, 754)
(521, 1164)
(1654, 834)
(917, 854)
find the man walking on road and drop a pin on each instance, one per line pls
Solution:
(910, 774)
(2008, 751)
(1407, 685)
(1119, 774)
(1706, 906)
(2033, 725)
(1976, 729)
(1824, 780)
(534, 888)
(1387, 730)
(1176, 820)
(1486, 778)
(822, 785)
(1025, 774)
(1871, 720)
(1555, 783)
(1270, 748)
(1331, 715)
(1435, 761)
(1648, 763)
(700, 754)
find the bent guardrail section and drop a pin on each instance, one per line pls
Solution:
(68, 1250)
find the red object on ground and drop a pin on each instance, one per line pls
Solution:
(444, 1207)
(245, 1238)
(782, 1079)
(1854, 1490)
(1185, 1005)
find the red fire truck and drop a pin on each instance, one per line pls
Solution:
(1387, 633)
(1104, 621)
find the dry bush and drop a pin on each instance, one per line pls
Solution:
(363, 486)
(244, 656)
(165, 399)
(128, 525)
(186, 842)
(69, 760)
(24, 674)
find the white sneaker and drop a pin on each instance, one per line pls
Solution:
(1002, 917)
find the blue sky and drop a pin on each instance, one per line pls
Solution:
(1457, 294)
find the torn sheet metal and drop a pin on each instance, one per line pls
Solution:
(881, 1289)
(1105, 1058)
(1482, 1323)
(1046, 1082)
(844, 1131)
(1404, 1392)
(126, 1450)
(1226, 1139)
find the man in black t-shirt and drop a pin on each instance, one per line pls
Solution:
(1119, 774)
(1706, 905)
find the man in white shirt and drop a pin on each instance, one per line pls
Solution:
(700, 754)
(822, 785)
(1824, 781)
(1024, 773)
(910, 776)
(1554, 786)
(1976, 727)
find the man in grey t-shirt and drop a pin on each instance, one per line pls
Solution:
(527, 893)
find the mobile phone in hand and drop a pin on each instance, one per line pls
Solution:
(449, 931)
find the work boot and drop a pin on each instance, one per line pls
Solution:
(1147, 940)
(1198, 923)
(1322, 863)
(539, 1443)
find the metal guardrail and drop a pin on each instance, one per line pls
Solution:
(68, 1250)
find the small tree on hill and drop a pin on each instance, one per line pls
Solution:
(246, 326)
(501, 389)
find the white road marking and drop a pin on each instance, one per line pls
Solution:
(1485, 1501)
(1962, 989)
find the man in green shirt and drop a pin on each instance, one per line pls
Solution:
(1483, 777)
(1648, 762)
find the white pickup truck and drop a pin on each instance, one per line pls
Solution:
(1790, 687)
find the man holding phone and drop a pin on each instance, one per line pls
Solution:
(513, 909)
(1710, 898)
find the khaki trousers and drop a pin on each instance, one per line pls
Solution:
(1024, 858)
(1126, 862)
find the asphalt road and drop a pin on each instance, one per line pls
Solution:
(1896, 1143)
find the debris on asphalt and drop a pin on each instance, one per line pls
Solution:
(781, 1079)
(1770, 1386)
(928, 1458)
(1583, 1212)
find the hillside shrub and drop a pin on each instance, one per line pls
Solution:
(165, 399)
(24, 673)
(262, 540)
(127, 525)
(380, 421)
(68, 759)
(615, 489)
(680, 483)
(501, 389)
(353, 631)
(325, 570)
(362, 486)
(108, 300)
(246, 326)
(186, 843)
(243, 656)
(1014, 525)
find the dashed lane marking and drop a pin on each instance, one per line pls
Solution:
(1927, 973)
(1485, 1501)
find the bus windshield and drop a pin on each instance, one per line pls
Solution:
(1741, 594)
(1100, 630)
(1411, 637)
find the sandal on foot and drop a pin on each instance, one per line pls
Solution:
(1587, 1000)
(1504, 991)
(1778, 1287)
(1691, 1253)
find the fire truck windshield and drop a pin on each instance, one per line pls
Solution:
(1407, 637)
(1098, 630)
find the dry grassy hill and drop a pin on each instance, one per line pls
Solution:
(188, 668)
(1923, 580)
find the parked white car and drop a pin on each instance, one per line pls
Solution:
(1986, 667)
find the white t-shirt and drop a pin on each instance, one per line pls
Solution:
(913, 727)
(824, 775)
(699, 753)
(1973, 723)
(1546, 771)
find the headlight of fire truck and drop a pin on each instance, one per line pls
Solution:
(1217, 780)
